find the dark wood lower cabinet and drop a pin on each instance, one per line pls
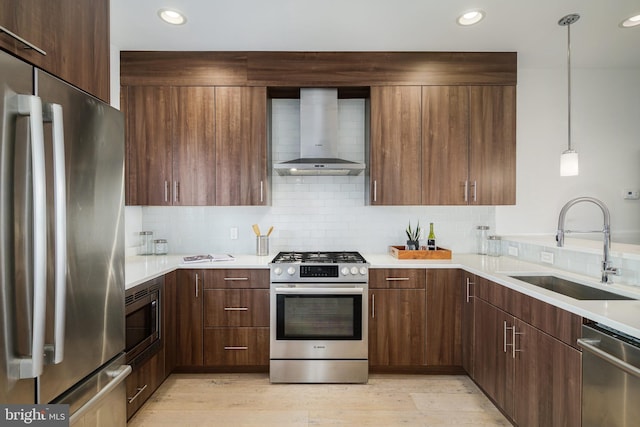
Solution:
(533, 377)
(444, 318)
(236, 347)
(143, 381)
(468, 324)
(548, 380)
(397, 327)
(493, 364)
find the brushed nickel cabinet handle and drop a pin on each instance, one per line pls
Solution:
(196, 285)
(139, 391)
(261, 191)
(23, 41)
(469, 283)
(236, 309)
(397, 279)
(236, 348)
(236, 279)
(375, 190)
(166, 191)
(466, 191)
(513, 345)
(373, 306)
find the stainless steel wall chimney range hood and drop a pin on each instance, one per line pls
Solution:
(319, 138)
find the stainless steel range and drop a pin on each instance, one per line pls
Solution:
(319, 318)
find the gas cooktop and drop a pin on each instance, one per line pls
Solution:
(319, 258)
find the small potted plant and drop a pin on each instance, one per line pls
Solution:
(413, 237)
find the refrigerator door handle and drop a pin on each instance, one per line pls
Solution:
(53, 113)
(29, 105)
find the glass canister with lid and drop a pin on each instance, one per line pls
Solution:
(482, 243)
(495, 246)
(161, 247)
(146, 243)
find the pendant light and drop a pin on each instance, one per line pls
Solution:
(569, 158)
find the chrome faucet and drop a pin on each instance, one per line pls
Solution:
(607, 269)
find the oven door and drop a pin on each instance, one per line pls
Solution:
(319, 322)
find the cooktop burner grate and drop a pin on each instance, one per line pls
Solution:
(319, 258)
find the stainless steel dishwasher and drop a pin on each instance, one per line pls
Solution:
(610, 377)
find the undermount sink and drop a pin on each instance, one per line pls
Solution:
(570, 289)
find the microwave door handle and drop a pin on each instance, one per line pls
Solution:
(53, 114)
(155, 319)
(31, 367)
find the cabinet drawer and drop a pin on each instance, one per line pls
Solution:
(143, 381)
(236, 346)
(237, 279)
(397, 278)
(236, 307)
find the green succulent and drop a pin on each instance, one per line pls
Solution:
(414, 234)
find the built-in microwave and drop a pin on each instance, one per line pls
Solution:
(143, 321)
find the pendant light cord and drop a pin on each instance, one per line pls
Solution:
(569, 83)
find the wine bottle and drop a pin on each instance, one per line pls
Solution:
(431, 239)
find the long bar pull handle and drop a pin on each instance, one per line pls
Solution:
(589, 345)
(31, 106)
(236, 279)
(373, 306)
(53, 113)
(196, 283)
(166, 191)
(118, 376)
(397, 279)
(236, 347)
(261, 191)
(475, 191)
(236, 309)
(514, 350)
(176, 191)
(375, 190)
(506, 328)
(139, 391)
(469, 283)
(466, 191)
(23, 41)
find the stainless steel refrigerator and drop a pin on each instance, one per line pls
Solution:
(61, 247)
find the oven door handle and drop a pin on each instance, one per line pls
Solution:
(320, 291)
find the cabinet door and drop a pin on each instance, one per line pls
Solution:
(493, 362)
(468, 322)
(548, 380)
(234, 308)
(149, 145)
(492, 145)
(395, 152)
(193, 142)
(189, 318)
(396, 327)
(241, 146)
(143, 381)
(445, 145)
(444, 318)
(74, 35)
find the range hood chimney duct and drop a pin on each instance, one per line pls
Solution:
(319, 138)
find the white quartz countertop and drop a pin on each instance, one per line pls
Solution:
(623, 315)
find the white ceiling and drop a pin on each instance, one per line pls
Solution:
(528, 27)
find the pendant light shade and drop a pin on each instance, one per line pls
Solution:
(569, 158)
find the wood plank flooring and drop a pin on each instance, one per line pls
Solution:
(250, 400)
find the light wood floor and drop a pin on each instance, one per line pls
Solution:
(239, 400)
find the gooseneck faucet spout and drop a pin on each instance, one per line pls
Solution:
(607, 270)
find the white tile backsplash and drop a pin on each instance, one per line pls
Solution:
(313, 212)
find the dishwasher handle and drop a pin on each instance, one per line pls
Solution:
(590, 345)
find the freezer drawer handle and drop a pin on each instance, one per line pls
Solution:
(590, 346)
(53, 113)
(139, 391)
(23, 41)
(118, 376)
(31, 106)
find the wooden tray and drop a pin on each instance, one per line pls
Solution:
(400, 253)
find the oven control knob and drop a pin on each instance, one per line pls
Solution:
(363, 270)
(345, 271)
(277, 271)
(354, 270)
(291, 271)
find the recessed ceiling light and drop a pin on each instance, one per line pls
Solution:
(631, 21)
(171, 16)
(471, 17)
